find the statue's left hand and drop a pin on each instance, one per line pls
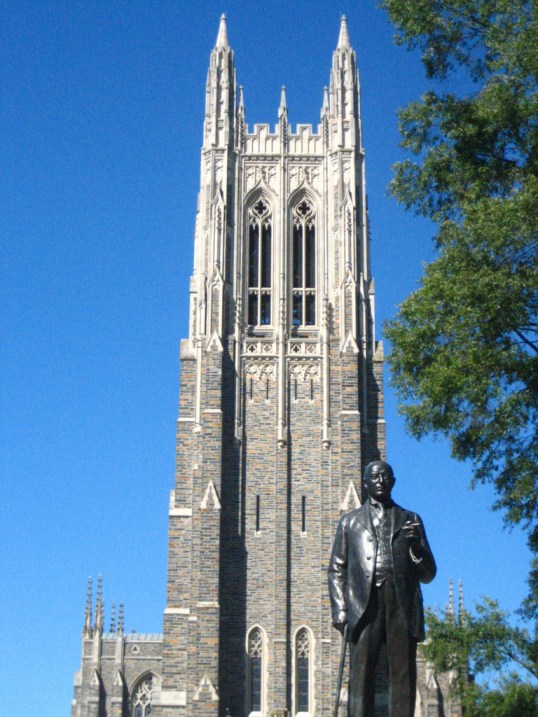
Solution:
(412, 532)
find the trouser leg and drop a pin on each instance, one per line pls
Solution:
(401, 658)
(363, 653)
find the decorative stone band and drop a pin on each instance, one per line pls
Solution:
(172, 698)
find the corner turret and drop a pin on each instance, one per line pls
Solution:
(220, 93)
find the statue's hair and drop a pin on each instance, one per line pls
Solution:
(370, 465)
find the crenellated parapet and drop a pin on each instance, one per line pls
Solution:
(303, 142)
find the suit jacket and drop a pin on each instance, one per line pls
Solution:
(351, 570)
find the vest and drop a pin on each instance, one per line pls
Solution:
(383, 559)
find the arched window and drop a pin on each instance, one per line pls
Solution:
(141, 700)
(304, 264)
(259, 264)
(302, 671)
(255, 670)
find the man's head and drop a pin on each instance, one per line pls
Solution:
(379, 479)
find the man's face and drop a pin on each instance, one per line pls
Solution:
(380, 481)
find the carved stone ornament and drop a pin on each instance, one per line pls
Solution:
(307, 175)
(214, 344)
(346, 172)
(260, 211)
(219, 171)
(303, 348)
(217, 280)
(207, 688)
(259, 369)
(351, 500)
(303, 369)
(256, 174)
(259, 348)
(210, 500)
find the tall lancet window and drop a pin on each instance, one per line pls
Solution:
(302, 671)
(255, 670)
(259, 264)
(141, 699)
(304, 265)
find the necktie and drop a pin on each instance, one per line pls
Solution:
(379, 514)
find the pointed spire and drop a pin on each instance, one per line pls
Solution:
(113, 618)
(87, 632)
(99, 607)
(325, 106)
(222, 37)
(450, 607)
(241, 100)
(461, 605)
(282, 108)
(343, 38)
(120, 619)
(283, 104)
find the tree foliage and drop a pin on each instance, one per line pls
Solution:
(465, 344)
(513, 699)
(476, 644)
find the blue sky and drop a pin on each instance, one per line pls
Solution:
(102, 127)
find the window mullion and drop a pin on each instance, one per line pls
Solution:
(304, 273)
(260, 265)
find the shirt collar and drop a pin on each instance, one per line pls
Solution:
(376, 505)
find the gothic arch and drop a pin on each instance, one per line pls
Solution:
(304, 259)
(260, 192)
(303, 653)
(303, 192)
(144, 693)
(256, 670)
(259, 261)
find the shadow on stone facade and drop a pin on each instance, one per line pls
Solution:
(233, 554)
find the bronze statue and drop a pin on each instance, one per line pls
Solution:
(379, 558)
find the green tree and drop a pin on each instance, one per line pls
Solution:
(464, 354)
(480, 643)
(513, 699)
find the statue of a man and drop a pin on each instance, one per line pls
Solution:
(379, 558)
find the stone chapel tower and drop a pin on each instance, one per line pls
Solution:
(281, 407)
(280, 400)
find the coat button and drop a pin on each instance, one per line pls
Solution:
(366, 575)
(368, 557)
(370, 540)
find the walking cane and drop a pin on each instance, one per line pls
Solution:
(341, 671)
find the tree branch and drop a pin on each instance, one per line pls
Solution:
(525, 340)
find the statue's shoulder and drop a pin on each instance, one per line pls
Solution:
(357, 512)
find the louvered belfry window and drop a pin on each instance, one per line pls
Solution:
(259, 264)
(304, 264)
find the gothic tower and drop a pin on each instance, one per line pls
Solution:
(281, 406)
(280, 401)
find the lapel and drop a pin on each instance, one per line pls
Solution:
(364, 518)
